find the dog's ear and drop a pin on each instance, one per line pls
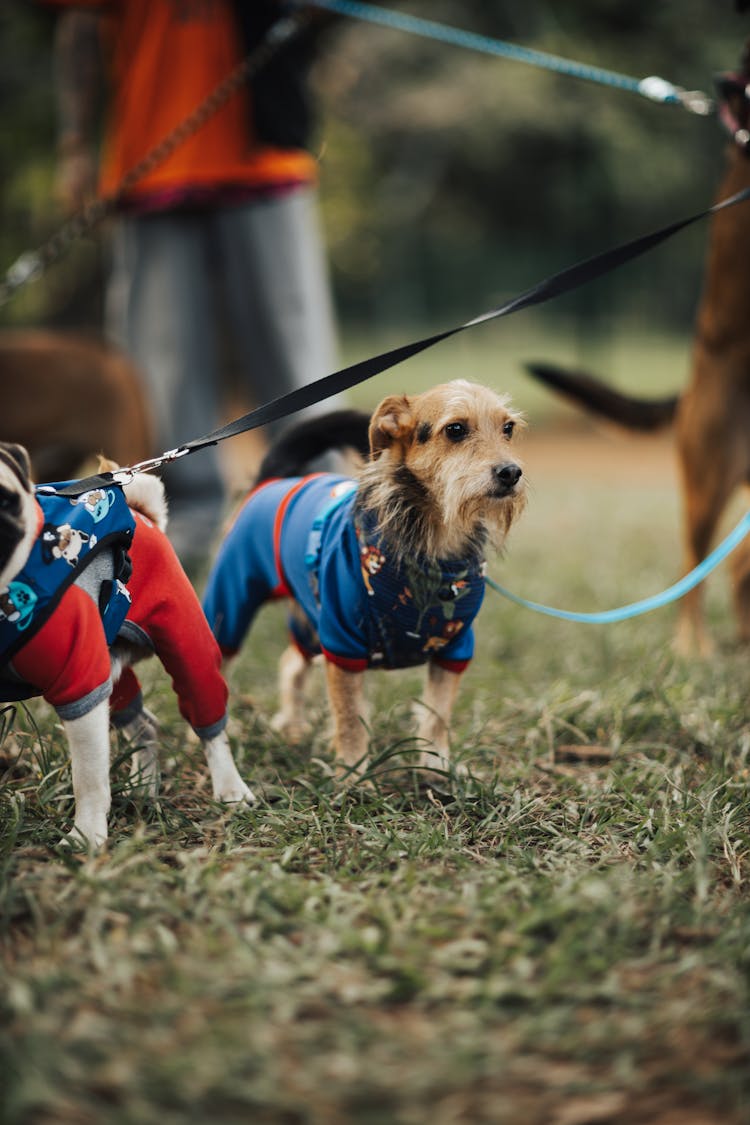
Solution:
(392, 422)
(17, 459)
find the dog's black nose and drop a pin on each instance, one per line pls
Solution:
(506, 475)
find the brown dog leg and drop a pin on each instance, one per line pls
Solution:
(435, 710)
(289, 720)
(741, 589)
(709, 475)
(345, 696)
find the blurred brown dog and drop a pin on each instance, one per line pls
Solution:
(67, 398)
(712, 415)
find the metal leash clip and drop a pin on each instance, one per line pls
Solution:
(125, 476)
(697, 102)
(27, 267)
(660, 90)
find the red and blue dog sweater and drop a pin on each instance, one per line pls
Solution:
(305, 537)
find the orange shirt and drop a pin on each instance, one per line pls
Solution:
(165, 57)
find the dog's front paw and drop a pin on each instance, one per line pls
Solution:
(437, 770)
(350, 767)
(235, 792)
(228, 786)
(88, 834)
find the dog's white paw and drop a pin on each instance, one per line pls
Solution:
(228, 786)
(235, 793)
(88, 834)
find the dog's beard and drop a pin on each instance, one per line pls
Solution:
(412, 520)
(472, 514)
(500, 515)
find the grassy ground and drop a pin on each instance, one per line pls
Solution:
(564, 940)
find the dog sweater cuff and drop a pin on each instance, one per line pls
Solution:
(125, 715)
(80, 707)
(205, 733)
(348, 663)
(456, 666)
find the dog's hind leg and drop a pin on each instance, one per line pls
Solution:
(132, 720)
(435, 710)
(88, 738)
(289, 720)
(142, 732)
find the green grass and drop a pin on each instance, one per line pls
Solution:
(561, 940)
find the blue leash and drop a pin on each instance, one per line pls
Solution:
(635, 609)
(654, 88)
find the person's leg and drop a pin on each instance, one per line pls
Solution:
(161, 310)
(278, 294)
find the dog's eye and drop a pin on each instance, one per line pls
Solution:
(456, 431)
(9, 502)
(508, 429)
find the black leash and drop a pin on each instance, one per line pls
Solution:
(558, 284)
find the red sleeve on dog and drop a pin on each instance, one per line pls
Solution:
(166, 607)
(125, 691)
(348, 663)
(68, 657)
(456, 666)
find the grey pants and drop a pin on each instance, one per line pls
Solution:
(263, 263)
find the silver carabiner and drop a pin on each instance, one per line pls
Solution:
(126, 475)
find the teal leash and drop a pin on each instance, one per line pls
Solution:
(654, 88)
(635, 609)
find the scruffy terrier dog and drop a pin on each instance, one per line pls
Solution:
(88, 584)
(386, 570)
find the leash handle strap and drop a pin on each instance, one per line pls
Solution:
(656, 601)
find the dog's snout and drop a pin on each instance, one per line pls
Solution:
(507, 475)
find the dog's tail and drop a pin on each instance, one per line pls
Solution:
(299, 445)
(596, 396)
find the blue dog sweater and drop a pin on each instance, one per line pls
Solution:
(305, 537)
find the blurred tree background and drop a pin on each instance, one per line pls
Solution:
(450, 180)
